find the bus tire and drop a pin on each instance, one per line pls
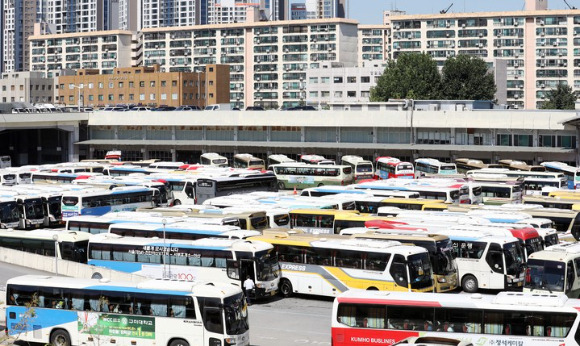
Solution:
(372, 288)
(469, 284)
(281, 186)
(286, 288)
(97, 276)
(177, 202)
(178, 342)
(60, 337)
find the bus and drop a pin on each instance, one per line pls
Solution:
(409, 203)
(316, 160)
(56, 178)
(363, 169)
(571, 173)
(516, 165)
(508, 318)
(446, 194)
(321, 221)
(464, 165)
(8, 177)
(517, 174)
(166, 165)
(69, 245)
(213, 159)
(101, 202)
(70, 311)
(537, 186)
(500, 193)
(124, 170)
(296, 175)
(559, 202)
(179, 230)
(390, 167)
(439, 247)
(433, 166)
(223, 186)
(248, 161)
(327, 266)
(553, 270)
(350, 189)
(277, 159)
(216, 259)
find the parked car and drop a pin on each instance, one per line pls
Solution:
(188, 108)
(140, 109)
(254, 108)
(114, 109)
(302, 108)
(163, 109)
(219, 107)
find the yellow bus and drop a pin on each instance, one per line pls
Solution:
(328, 265)
(411, 203)
(317, 220)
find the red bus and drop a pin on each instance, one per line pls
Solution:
(390, 167)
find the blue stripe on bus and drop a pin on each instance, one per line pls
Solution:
(319, 189)
(499, 220)
(126, 267)
(381, 187)
(130, 191)
(43, 318)
(466, 238)
(190, 230)
(96, 211)
(136, 290)
(188, 246)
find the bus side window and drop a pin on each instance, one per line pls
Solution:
(569, 276)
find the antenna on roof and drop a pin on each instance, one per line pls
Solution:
(570, 7)
(446, 10)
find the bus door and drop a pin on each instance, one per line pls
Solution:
(570, 289)
(247, 269)
(494, 258)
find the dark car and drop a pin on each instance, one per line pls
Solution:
(302, 108)
(254, 108)
(188, 108)
(163, 109)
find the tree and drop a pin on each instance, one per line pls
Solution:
(560, 98)
(412, 75)
(467, 78)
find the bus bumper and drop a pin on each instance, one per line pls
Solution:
(514, 284)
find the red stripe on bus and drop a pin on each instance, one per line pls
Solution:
(367, 336)
(387, 302)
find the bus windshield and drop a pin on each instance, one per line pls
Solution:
(545, 275)
(420, 270)
(513, 258)
(34, 208)
(9, 212)
(447, 168)
(364, 168)
(405, 167)
(533, 245)
(443, 263)
(218, 161)
(259, 222)
(54, 207)
(267, 266)
(236, 313)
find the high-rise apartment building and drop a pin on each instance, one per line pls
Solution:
(298, 11)
(156, 13)
(18, 17)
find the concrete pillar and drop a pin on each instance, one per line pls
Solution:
(73, 150)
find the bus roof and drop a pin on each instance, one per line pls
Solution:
(206, 289)
(45, 234)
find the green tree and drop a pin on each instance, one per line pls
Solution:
(467, 78)
(412, 75)
(560, 98)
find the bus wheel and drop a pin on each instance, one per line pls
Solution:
(97, 276)
(469, 284)
(178, 342)
(177, 202)
(59, 337)
(372, 289)
(285, 288)
(281, 186)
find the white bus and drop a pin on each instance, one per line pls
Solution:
(433, 166)
(554, 270)
(327, 266)
(276, 159)
(68, 245)
(166, 165)
(216, 259)
(180, 230)
(101, 202)
(248, 161)
(571, 173)
(510, 318)
(316, 160)
(500, 193)
(518, 174)
(8, 177)
(447, 194)
(363, 169)
(213, 159)
(297, 175)
(68, 311)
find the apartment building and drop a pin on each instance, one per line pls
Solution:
(29, 87)
(102, 50)
(147, 86)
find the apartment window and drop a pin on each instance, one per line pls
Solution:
(365, 79)
(91, 85)
(141, 97)
(503, 139)
(325, 94)
(313, 80)
(338, 94)
(163, 83)
(313, 94)
(91, 97)
(174, 96)
(337, 80)
(210, 95)
(131, 84)
(21, 87)
(121, 84)
(184, 83)
(324, 80)
(211, 69)
(71, 86)
(351, 79)
(12, 88)
(164, 97)
(173, 83)
(351, 94)
(71, 99)
(365, 94)
(121, 97)
(111, 85)
(101, 85)
(152, 96)
(210, 82)
(101, 98)
(152, 84)
(111, 97)
(141, 84)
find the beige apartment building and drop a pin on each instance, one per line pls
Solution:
(146, 86)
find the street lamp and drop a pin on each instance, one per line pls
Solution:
(55, 238)
(79, 94)
(165, 252)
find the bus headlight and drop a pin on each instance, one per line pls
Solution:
(441, 280)
(230, 341)
(260, 285)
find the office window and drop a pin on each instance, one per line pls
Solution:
(174, 96)
(121, 97)
(503, 139)
(324, 80)
(111, 85)
(152, 83)
(523, 140)
(101, 98)
(163, 83)
(141, 84)
(173, 83)
(325, 94)
(164, 97)
(121, 84)
(351, 79)
(313, 94)
(337, 80)
(141, 97)
(151, 96)
(365, 79)
(131, 84)
(338, 94)
(111, 97)
(313, 80)
(351, 93)
(131, 97)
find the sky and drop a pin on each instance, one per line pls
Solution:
(371, 11)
